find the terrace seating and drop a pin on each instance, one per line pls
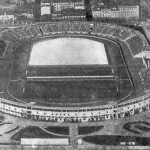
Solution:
(32, 31)
(124, 34)
(20, 33)
(15, 34)
(12, 36)
(125, 109)
(28, 31)
(97, 29)
(2, 47)
(145, 74)
(136, 44)
(100, 29)
(105, 29)
(24, 33)
(50, 28)
(8, 37)
(35, 29)
(43, 28)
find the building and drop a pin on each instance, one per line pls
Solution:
(64, 9)
(28, 15)
(30, 1)
(79, 5)
(122, 12)
(64, 4)
(71, 15)
(7, 17)
(45, 8)
(37, 10)
(19, 2)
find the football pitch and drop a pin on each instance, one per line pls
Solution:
(72, 70)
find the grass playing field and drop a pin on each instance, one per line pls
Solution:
(95, 72)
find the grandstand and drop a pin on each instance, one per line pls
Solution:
(2, 48)
(128, 102)
(135, 45)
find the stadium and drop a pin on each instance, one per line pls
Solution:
(79, 67)
(73, 72)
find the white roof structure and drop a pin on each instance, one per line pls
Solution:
(144, 54)
(41, 141)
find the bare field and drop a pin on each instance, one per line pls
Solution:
(68, 51)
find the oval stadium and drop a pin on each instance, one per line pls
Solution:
(73, 72)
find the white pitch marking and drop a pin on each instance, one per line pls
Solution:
(112, 70)
(23, 89)
(67, 77)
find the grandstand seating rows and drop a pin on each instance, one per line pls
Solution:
(2, 48)
(135, 43)
(70, 114)
(75, 114)
(99, 29)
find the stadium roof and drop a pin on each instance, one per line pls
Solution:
(145, 54)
